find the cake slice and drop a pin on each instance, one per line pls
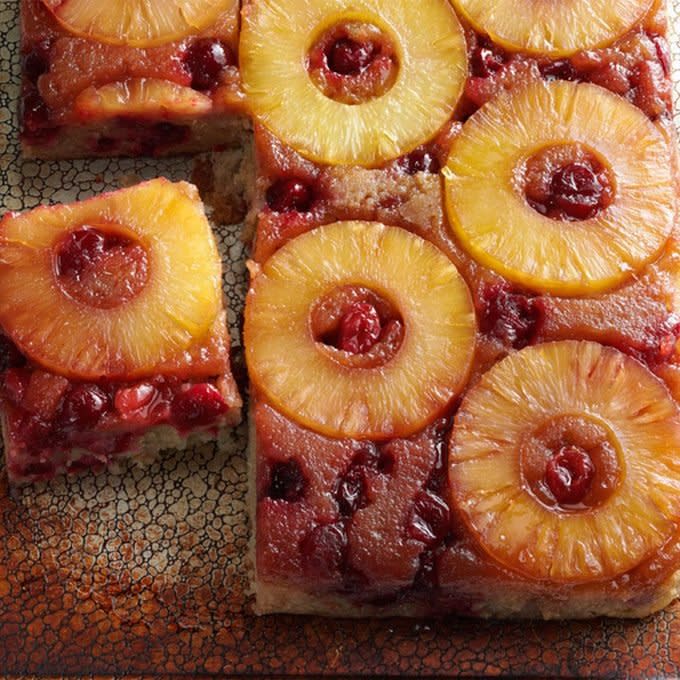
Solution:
(114, 330)
(142, 78)
(540, 479)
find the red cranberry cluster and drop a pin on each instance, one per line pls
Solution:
(360, 328)
(348, 57)
(67, 413)
(287, 482)
(324, 550)
(513, 318)
(84, 248)
(290, 195)
(578, 191)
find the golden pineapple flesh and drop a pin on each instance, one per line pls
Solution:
(502, 462)
(320, 386)
(276, 39)
(553, 28)
(141, 97)
(138, 23)
(489, 211)
(127, 315)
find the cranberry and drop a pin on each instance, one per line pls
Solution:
(562, 69)
(36, 62)
(206, 58)
(287, 482)
(351, 492)
(199, 405)
(486, 59)
(360, 328)
(83, 407)
(368, 456)
(513, 318)
(36, 115)
(569, 475)
(135, 400)
(429, 519)
(324, 550)
(419, 160)
(349, 58)
(80, 249)
(289, 195)
(576, 191)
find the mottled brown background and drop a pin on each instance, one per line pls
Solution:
(143, 572)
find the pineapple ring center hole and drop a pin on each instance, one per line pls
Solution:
(353, 62)
(357, 327)
(571, 463)
(101, 266)
(567, 182)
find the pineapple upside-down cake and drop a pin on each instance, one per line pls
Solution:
(462, 320)
(115, 331)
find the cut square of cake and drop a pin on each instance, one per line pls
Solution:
(114, 328)
(133, 78)
(462, 323)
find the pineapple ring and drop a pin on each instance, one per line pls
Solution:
(432, 73)
(558, 28)
(529, 388)
(176, 307)
(141, 97)
(498, 227)
(306, 384)
(137, 23)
